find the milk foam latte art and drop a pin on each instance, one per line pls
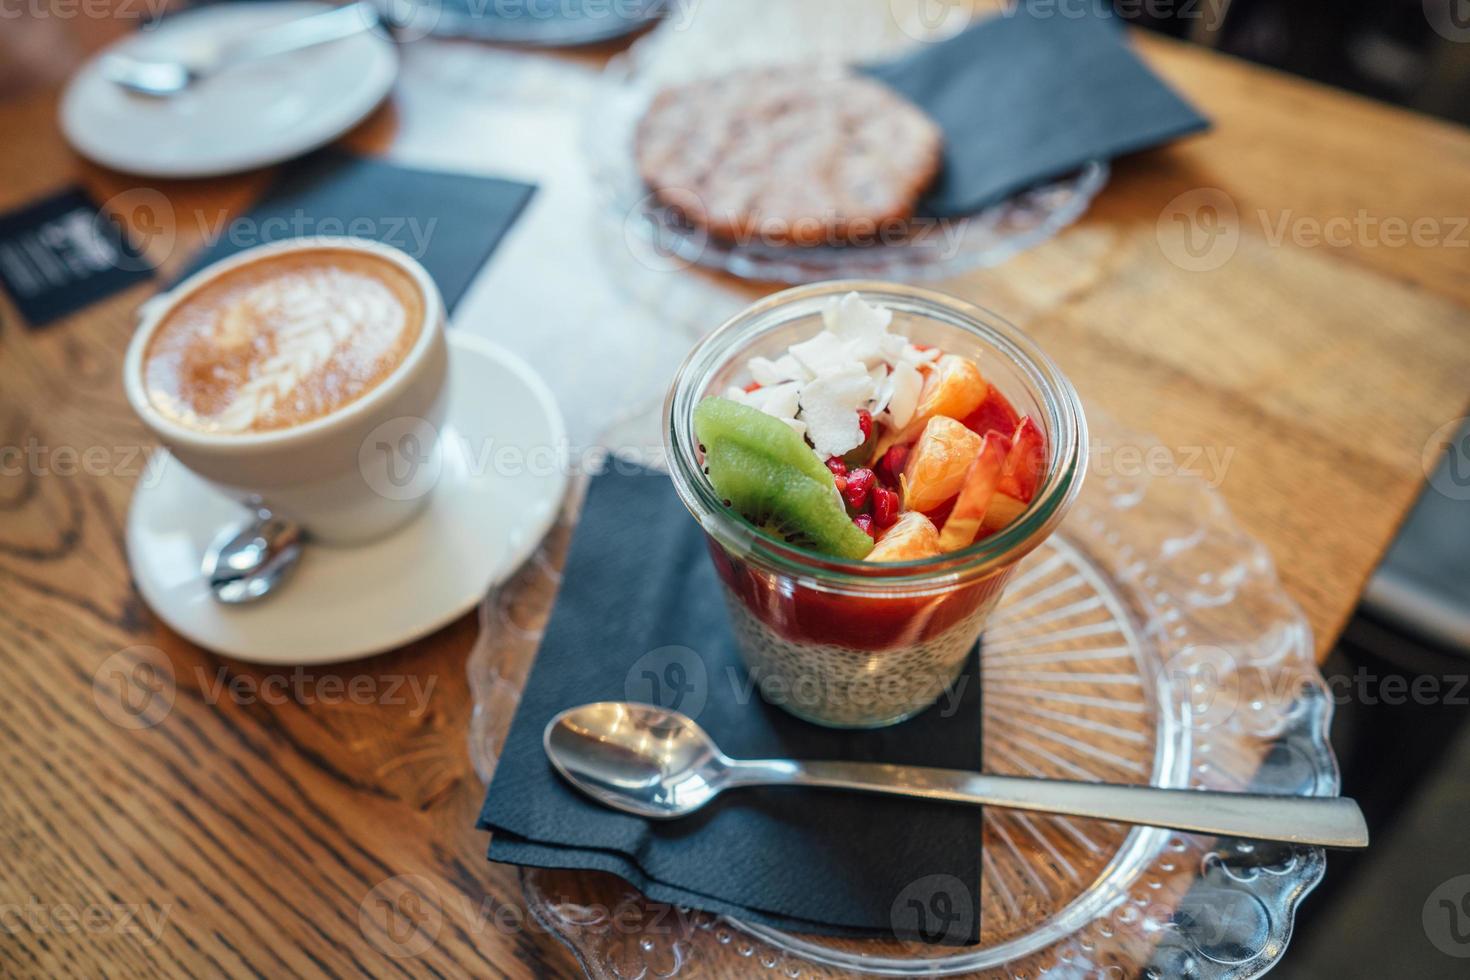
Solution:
(274, 374)
(282, 340)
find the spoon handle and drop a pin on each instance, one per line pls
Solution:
(1324, 821)
(303, 32)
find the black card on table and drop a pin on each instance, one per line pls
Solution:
(1032, 94)
(62, 254)
(640, 617)
(449, 222)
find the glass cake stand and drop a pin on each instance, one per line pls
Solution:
(658, 237)
(1149, 641)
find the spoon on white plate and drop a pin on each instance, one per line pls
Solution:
(163, 77)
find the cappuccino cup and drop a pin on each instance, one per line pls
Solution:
(307, 374)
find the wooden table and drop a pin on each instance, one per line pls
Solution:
(240, 835)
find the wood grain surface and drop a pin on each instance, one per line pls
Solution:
(235, 831)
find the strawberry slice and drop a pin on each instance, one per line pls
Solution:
(964, 521)
(1022, 473)
(995, 413)
(1019, 478)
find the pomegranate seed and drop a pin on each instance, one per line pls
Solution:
(892, 463)
(865, 422)
(865, 523)
(841, 482)
(837, 466)
(885, 507)
(860, 484)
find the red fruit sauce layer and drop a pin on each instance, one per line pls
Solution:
(803, 615)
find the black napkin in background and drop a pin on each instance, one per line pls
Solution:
(449, 222)
(62, 253)
(638, 586)
(1030, 95)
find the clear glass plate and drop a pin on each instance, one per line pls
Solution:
(659, 238)
(1149, 641)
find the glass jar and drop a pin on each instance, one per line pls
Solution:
(852, 644)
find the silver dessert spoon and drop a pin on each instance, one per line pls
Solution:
(659, 764)
(246, 563)
(162, 77)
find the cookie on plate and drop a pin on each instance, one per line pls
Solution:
(796, 155)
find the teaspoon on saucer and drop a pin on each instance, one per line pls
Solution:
(162, 77)
(660, 764)
(246, 563)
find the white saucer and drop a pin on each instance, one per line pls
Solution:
(247, 116)
(485, 516)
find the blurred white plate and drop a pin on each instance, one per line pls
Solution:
(247, 116)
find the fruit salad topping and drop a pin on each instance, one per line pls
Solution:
(859, 444)
(854, 369)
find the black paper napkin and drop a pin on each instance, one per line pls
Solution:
(63, 253)
(640, 617)
(1030, 95)
(449, 222)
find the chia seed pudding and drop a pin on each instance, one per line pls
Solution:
(849, 687)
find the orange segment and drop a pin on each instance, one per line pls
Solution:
(974, 499)
(954, 387)
(937, 465)
(912, 538)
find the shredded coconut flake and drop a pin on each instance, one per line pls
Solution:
(904, 386)
(915, 356)
(780, 401)
(818, 386)
(824, 354)
(829, 407)
(784, 368)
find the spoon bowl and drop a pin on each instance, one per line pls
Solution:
(246, 563)
(637, 758)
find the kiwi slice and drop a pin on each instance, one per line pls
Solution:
(719, 420)
(783, 501)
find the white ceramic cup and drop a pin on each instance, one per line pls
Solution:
(347, 477)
